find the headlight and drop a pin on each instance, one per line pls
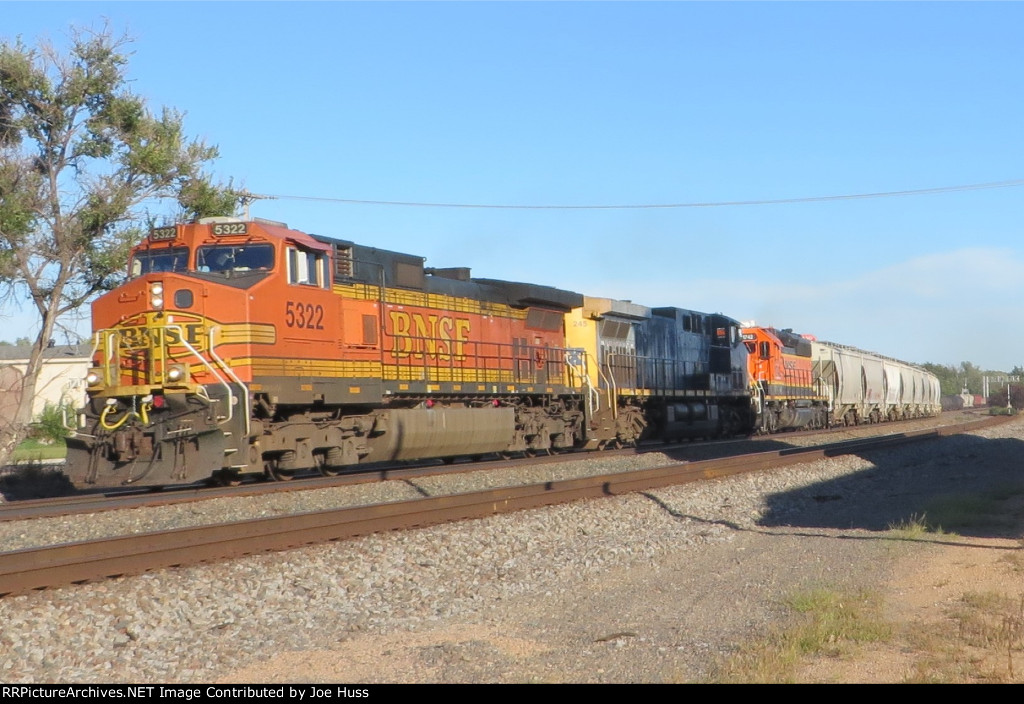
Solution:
(94, 377)
(156, 295)
(175, 373)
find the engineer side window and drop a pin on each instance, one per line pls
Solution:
(306, 268)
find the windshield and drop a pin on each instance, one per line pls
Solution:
(223, 258)
(145, 261)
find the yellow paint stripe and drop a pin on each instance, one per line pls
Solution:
(264, 366)
(241, 333)
(401, 297)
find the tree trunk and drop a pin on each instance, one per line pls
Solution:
(17, 430)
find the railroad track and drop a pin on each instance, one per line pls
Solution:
(40, 568)
(96, 501)
(100, 501)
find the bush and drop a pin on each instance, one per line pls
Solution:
(50, 424)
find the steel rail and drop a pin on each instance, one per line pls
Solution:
(96, 501)
(38, 568)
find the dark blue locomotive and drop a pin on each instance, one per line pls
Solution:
(662, 373)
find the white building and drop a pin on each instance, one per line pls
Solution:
(62, 379)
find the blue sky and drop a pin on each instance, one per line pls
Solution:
(630, 103)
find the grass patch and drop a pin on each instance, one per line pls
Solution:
(827, 623)
(956, 513)
(965, 511)
(36, 450)
(1005, 492)
(982, 642)
(990, 620)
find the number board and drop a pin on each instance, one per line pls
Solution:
(160, 234)
(229, 228)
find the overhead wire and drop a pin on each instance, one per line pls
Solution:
(699, 204)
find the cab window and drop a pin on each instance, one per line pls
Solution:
(224, 258)
(307, 268)
(145, 261)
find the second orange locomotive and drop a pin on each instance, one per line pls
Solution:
(785, 393)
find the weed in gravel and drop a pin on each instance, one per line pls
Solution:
(827, 624)
(917, 527)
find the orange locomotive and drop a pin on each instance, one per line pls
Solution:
(240, 347)
(784, 392)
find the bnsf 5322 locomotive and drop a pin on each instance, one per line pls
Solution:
(244, 346)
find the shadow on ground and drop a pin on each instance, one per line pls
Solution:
(964, 484)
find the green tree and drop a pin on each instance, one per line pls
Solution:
(971, 378)
(949, 380)
(83, 163)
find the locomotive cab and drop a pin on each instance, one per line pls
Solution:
(162, 398)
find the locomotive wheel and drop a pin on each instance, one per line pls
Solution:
(328, 470)
(277, 474)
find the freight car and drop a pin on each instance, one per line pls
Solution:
(863, 387)
(800, 382)
(241, 347)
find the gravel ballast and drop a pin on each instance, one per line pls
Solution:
(648, 587)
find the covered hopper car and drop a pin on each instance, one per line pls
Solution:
(866, 387)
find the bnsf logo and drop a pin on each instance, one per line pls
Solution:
(440, 337)
(139, 337)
